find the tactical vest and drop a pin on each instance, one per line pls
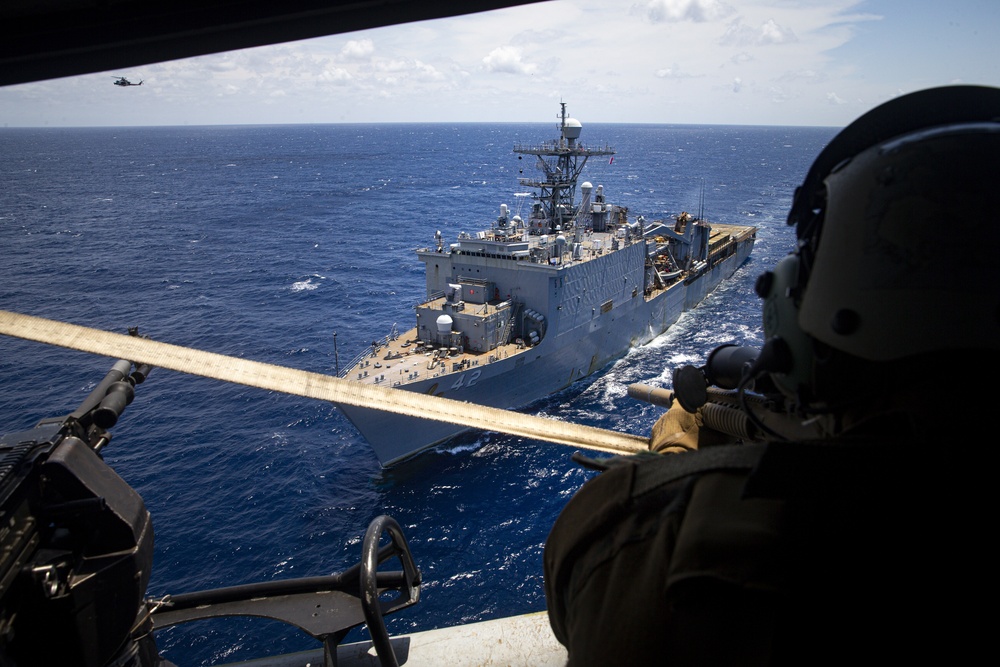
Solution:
(787, 553)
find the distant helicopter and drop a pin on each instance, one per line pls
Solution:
(122, 81)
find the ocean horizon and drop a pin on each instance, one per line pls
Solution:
(293, 245)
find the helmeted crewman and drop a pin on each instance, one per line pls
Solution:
(861, 543)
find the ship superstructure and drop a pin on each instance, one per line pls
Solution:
(525, 308)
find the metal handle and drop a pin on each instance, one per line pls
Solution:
(371, 556)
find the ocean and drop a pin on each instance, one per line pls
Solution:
(293, 245)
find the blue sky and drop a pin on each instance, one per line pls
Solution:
(747, 62)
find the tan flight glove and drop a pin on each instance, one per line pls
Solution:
(677, 430)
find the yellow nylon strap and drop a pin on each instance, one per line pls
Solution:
(314, 385)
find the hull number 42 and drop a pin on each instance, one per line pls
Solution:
(473, 377)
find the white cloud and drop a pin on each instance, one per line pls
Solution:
(670, 11)
(612, 60)
(739, 33)
(772, 33)
(428, 72)
(335, 75)
(673, 72)
(507, 59)
(358, 49)
(392, 66)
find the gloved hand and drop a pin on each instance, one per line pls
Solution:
(678, 430)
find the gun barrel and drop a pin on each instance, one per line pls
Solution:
(141, 372)
(105, 404)
(117, 373)
(119, 395)
(649, 394)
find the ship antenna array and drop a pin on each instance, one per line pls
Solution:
(562, 119)
(701, 201)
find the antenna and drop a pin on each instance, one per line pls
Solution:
(336, 354)
(562, 123)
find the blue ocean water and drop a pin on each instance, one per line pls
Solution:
(294, 245)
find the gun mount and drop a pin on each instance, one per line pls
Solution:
(76, 553)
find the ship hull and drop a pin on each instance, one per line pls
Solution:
(584, 345)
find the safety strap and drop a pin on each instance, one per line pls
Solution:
(315, 385)
(654, 474)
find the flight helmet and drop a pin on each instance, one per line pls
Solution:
(897, 245)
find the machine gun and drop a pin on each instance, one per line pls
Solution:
(76, 541)
(76, 552)
(735, 397)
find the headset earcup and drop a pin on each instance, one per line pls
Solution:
(781, 323)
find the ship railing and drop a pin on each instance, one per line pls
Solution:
(478, 282)
(432, 297)
(529, 182)
(354, 362)
(729, 247)
(549, 147)
(721, 252)
(371, 351)
(725, 249)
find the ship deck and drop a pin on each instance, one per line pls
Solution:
(721, 233)
(720, 230)
(592, 245)
(404, 360)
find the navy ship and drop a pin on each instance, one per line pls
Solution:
(531, 305)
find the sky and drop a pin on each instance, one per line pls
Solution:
(730, 62)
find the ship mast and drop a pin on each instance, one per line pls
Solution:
(561, 161)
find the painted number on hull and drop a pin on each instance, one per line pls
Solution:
(460, 382)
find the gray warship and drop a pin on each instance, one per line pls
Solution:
(527, 307)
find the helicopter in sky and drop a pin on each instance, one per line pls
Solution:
(122, 81)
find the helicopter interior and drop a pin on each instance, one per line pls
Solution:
(50, 40)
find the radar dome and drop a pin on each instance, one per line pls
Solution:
(572, 128)
(587, 186)
(444, 324)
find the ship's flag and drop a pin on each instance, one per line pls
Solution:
(612, 160)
